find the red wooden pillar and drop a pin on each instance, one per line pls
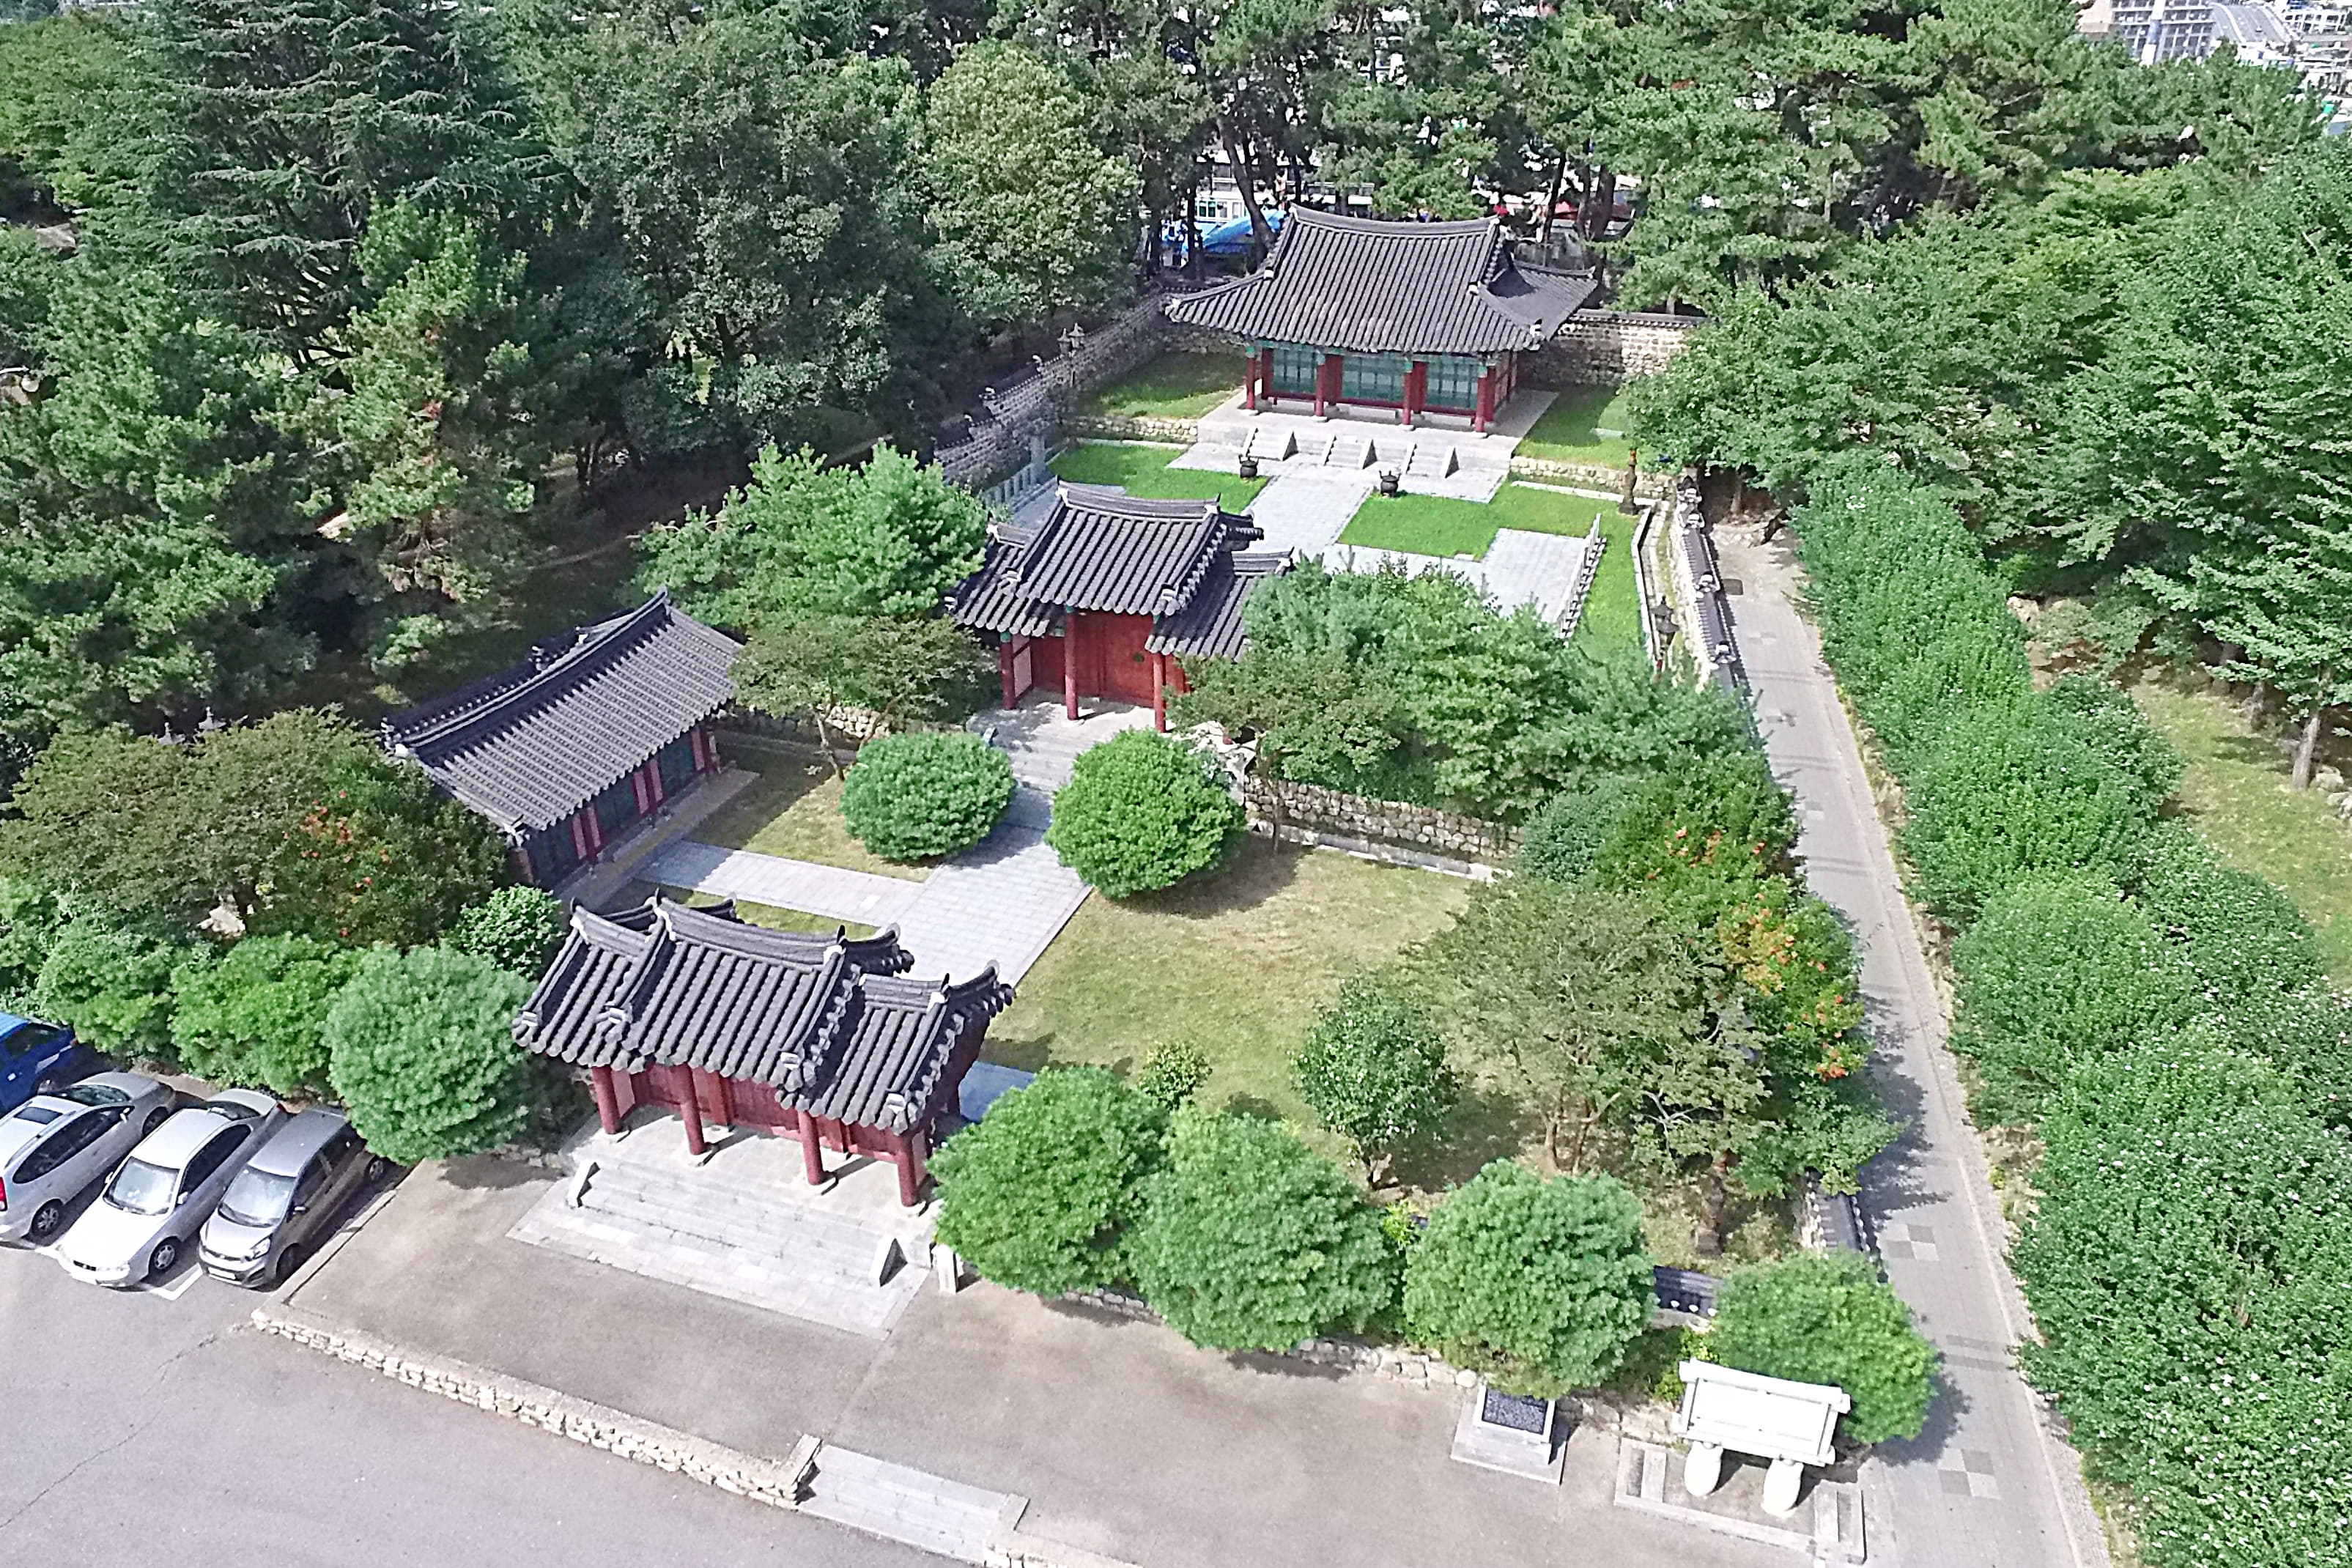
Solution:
(1072, 624)
(1322, 381)
(1004, 671)
(1266, 377)
(608, 1101)
(1249, 384)
(812, 1152)
(1485, 410)
(1416, 390)
(519, 858)
(905, 1155)
(689, 1110)
(1159, 692)
(582, 847)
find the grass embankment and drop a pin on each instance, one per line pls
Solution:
(1172, 386)
(1583, 425)
(1144, 471)
(2236, 794)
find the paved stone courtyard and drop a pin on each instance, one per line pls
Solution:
(1122, 1439)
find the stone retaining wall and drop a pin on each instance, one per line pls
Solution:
(1647, 482)
(1122, 428)
(774, 1482)
(1399, 1363)
(1602, 348)
(1445, 833)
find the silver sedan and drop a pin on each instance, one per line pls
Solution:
(55, 1145)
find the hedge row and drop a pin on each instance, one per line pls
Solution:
(2159, 1016)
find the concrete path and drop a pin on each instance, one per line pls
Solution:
(1988, 1484)
(1306, 512)
(1521, 567)
(828, 890)
(623, 861)
(1003, 902)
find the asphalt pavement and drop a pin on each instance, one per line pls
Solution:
(151, 1429)
(1987, 1484)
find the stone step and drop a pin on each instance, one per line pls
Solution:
(1431, 460)
(812, 1242)
(1348, 452)
(900, 1503)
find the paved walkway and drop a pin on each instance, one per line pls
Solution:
(1521, 567)
(1002, 901)
(1988, 1485)
(828, 890)
(1306, 512)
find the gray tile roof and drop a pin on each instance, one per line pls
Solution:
(532, 744)
(1211, 625)
(1100, 548)
(817, 1017)
(1381, 286)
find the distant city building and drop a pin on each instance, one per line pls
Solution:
(2159, 30)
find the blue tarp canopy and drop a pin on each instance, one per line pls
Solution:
(1233, 239)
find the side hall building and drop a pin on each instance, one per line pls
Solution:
(568, 749)
(1420, 318)
(823, 1039)
(1103, 593)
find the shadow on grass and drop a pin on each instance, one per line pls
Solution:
(1251, 871)
(1490, 1123)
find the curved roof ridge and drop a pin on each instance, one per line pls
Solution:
(470, 704)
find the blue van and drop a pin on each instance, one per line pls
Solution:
(35, 1058)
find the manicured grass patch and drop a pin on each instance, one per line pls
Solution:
(1144, 471)
(791, 809)
(1613, 610)
(1437, 525)
(1174, 386)
(2236, 794)
(1238, 963)
(1583, 425)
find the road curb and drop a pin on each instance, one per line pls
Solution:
(775, 1483)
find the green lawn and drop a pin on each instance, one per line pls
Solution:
(1436, 525)
(1172, 386)
(1239, 966)
(2236, 794)
(1612, 611)
(1144, 471)
(1583, 425)
(791, 809)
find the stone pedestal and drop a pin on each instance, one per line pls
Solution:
(1501, 1431)
(1703, 1468)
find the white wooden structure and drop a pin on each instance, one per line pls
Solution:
(1791, 1424)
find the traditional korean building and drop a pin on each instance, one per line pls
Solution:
(825, 1039)
(1422, 318)
(565, 751)
(1102, 594)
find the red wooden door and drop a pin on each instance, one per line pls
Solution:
(1120, 668)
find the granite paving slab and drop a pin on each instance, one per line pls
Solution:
(829, 891)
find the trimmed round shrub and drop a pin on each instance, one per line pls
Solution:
(2058, 971)
(1251, 1240)
(419, 1044)
(1820, 1318)
(1541, 1285)
(918, 796)
(1564, 837)
(1040, 1193)
(1141, 811)
(518, 928)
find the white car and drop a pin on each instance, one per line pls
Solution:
(55, 1145)
(157, 1198)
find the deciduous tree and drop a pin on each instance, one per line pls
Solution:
(420, 1046)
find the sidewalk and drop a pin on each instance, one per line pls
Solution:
(1986, 1485)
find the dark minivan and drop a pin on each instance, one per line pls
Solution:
(287, 1198)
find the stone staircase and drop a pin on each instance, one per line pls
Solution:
(1348, 450)
(1270, 443)
(899, 1503)
(838, 1251)
(1432, 458)
(1043, 746)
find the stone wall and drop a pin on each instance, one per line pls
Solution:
(1647, 482)
(1602, 348)
(997, 436)
(1443, 833)
(1399, 1363)
(1120, 427)
(774, 1482)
